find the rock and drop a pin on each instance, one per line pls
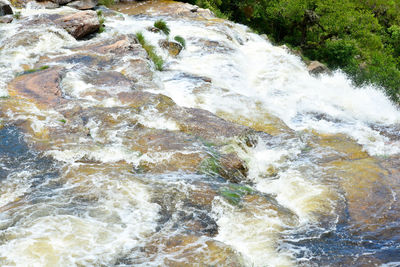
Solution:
(233, 168)
(61, 2)
(5, 9)
(205, 124)
(119, 45)
(316, 68)
(173, 48)
(80, 24)
(153, 29)
(6, 19)
(42, 86)
(83, 4)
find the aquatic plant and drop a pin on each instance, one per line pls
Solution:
(162, 26)
(180, 40)
(156, 59)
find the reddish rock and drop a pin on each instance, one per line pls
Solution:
(42, 86)
(79, 24)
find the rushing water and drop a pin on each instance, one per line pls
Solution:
(85, 190)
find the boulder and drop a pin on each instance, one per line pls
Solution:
(173, 48)
(5, 9)
(316, 68)
(79, 24)
(42, 86)
(83, 4)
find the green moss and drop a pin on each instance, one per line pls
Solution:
(156, 59)
(180, 40)
(162, 26)
(234, 193)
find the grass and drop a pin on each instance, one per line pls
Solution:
(180, 40)
(162, 26)
(106, 3)
(156, 59)
(45, 67)
(101, 19)
(63, 120)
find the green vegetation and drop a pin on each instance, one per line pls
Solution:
(63, 121)
(180, 40)
(157, 60)
(233, 193)
(106, 3)
(17, 15)
(361, 37)
(210, 166)
(101, 20)
(45, 67)
(162, 26)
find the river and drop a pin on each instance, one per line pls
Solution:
(104, 179)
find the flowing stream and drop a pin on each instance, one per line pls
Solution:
(128, 169)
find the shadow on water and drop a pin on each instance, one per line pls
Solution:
(16, 156)
(343, 246)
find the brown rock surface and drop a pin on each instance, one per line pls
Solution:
(42, 86)
(79, 24)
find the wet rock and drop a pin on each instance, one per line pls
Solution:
(48, 5)
(22, 38)
(61, 2)
(166, 8)
(233, 168)
(6, 19)
(316, 68)
(173, 48)
(119, 45)
(5, 9)
(153, 29)
(211, 46)
(83, 4)
(91, 60)
(106, 79)
(205, 124)
(79, 24)
(42, 86)
(140, 71)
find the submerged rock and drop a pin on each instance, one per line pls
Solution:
(42, 86)
(5, 9)
(79, 24)
(173, 48)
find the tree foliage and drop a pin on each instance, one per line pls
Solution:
(362, 37)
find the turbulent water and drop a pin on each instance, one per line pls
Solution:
(322, 180)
